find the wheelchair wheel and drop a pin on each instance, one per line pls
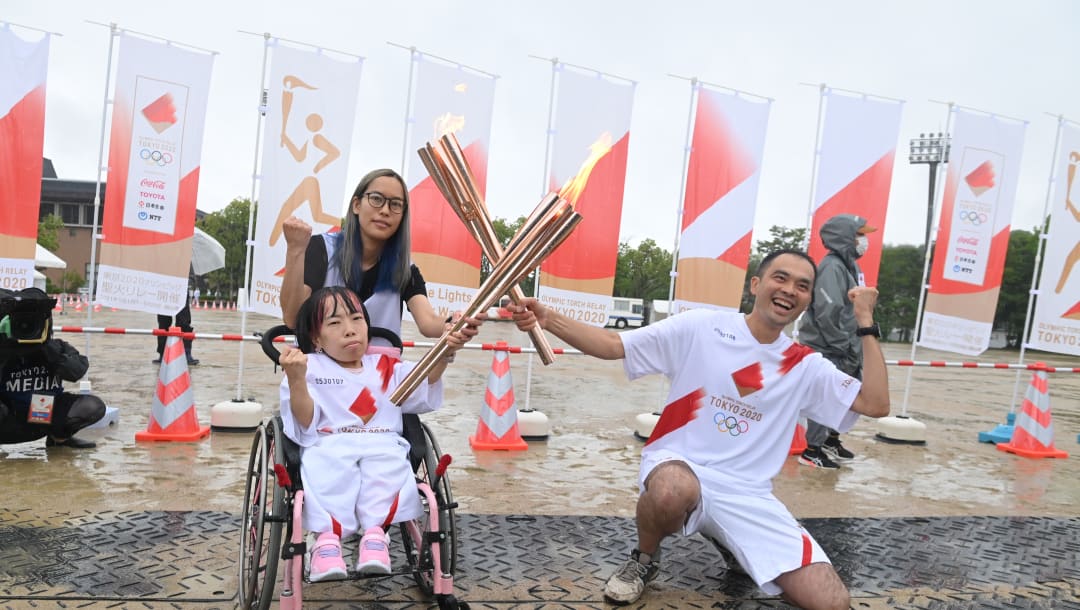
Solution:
(260, 526)
(413, 533)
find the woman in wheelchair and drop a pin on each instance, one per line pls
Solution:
(354, 461)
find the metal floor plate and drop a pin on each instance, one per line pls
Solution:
(188, 560)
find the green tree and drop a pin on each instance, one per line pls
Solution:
(230, 227)
(1016, 285)
(48, 234)
(899, 278)
(643, 272)
(779, 238)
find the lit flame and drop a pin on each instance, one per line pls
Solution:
(573, 187)
(460, 88)
(448, 123)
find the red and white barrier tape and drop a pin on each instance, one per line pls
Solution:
(1034, 366)
(517, 349)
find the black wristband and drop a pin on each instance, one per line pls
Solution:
(872, 330)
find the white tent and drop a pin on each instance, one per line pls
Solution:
(48, 260)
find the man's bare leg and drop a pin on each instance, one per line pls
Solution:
(815, 587)
(671, 493)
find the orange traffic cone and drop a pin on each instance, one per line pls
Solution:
(1033, 436)
(798, 442)
(498, 426)
(173, 416)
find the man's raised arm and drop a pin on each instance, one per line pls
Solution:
(594, 341)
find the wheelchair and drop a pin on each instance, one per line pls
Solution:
(273, 506)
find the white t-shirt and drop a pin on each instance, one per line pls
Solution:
(349, 401)
(734, 402)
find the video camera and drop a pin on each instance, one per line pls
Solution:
(25, 316)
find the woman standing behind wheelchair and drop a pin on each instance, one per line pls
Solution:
(354, 461)
(370, 256)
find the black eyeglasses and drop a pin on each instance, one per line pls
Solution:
(378, 200)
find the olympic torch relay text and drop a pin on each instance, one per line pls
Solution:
(266, 293)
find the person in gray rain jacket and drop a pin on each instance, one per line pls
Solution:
(829, 324)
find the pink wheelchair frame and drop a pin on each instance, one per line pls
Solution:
(274, 499)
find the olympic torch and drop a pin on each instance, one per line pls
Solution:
(529, 249)
(450, 171)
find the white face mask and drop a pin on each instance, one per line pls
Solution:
(862, 242)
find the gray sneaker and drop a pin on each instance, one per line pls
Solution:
(628, 582)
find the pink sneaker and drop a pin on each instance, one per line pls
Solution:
(374, 552)
(326, 561)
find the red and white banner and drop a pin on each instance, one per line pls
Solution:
(973, 234)
(1056, 325)
(448, 99)
(591, 142)
(855, 166)
(721, 197)
(23, 66)
(159, 111)
(311, 108)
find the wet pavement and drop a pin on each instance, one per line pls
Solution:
(888, 510)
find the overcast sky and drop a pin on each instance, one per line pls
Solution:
(1017, 59)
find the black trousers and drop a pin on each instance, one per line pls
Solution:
(71, 413)
(183, 320)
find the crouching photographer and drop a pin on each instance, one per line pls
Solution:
(33, 367)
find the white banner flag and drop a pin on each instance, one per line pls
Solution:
(854, 174)
(588, 163)
(311, 102)
(449, 99)
(721, 198)
(23, 66)
(976, 215)
(1056, 326)
(155, 152)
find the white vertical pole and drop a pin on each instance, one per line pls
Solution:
(263, 101)
(548, 134)
(1035, 277)
(946, 149)
(414, 57)
(94, 236)
(814, 166)
(679, 208)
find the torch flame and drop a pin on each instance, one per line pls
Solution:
(461, 88)
(448, 123)
(573, 187)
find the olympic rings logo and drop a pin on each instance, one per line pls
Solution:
(155, 157)
(972, 217)
(731, 425)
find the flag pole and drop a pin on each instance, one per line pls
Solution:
(549, 133)
(814, 167)
(1036, 278)
(94, 235)
(250, 242)
(695, 87)
(414, 57)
